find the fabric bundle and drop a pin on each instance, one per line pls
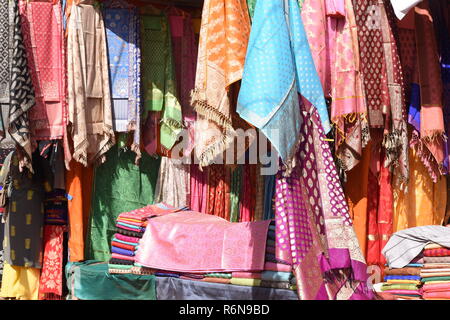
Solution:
(403, 282)
(130, 229)
(436, 275)
(55, 206)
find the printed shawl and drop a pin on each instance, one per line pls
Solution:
(332, 35)
(90, 111)
(185, 53)
(124, 54)
(43, 38)
(277, 114)
(16, 87)
(313, 227)
(158, 76)
(223, 42)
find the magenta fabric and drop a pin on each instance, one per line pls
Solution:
(196, 242)
(199, 189)
(272, 266)
(126, 238)
(246, 275)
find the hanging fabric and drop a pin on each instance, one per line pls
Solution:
(272, 40)
(43, 38)
(124, 54)
(222, 48)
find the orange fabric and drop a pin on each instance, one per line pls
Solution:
(356, 194)
(79, 186)
(425, 202)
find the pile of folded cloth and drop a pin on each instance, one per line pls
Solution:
(404, 283)
(419, 263)
(130, 229)
(435, 273)
(275, 274)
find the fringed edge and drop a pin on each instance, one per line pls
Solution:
(433, 135)
(291, 161)
(392, 143)
(101, 155)
(202, 107)
(174, 125)
(80, 153)
(337, 122)
(135, 148)
(425, 156)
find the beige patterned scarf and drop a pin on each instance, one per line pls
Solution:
(90, 116)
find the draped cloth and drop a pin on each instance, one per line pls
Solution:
(277, 115)
(159, 79)
(119, 186)
(174, 183)
(124, 54)
(224, 34)
(16, 86)
(170, 242)
(43, 38)
(199, 189)
(313, 226)
(332, 35)
(21, 283)
(90, 110)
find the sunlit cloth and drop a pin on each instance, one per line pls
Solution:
(16, 87)
(401, 7)
(185, 50)
(373, 67)
(174, 183)
(224, 34)
(237, 246)
(89, 97)
(313, 190)
(245, 282)
(158, 77)
(424, 203)
(332, 36)
(124, 53)
(407, 244)
(119, 186)
(43, 38)
(272, 40)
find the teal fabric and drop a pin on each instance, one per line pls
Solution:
(119, 186)
(90, 280)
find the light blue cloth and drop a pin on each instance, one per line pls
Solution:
(276, 276)
(278, 66)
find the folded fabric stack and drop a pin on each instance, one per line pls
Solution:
(275, 274)
(403, 282)
(130, 229)
(435, 273)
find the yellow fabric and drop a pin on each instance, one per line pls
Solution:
(245, 282)
(435, 282)
(20, 282)
(404, 281)
(425, 202)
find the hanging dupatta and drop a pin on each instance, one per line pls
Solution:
(223, 42)
(185, 53)
(16, 87)
(336, 56)
(124, 54)
(432, 128)
(313, 227)
(43, 38)
(90, 116)
(272, 40)
(173, 184)
(160, 89)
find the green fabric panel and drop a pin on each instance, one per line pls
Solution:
(428, 279)
(119, 186)
(399, 286)
(235, 191)
(90, 280)
(251, 7)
